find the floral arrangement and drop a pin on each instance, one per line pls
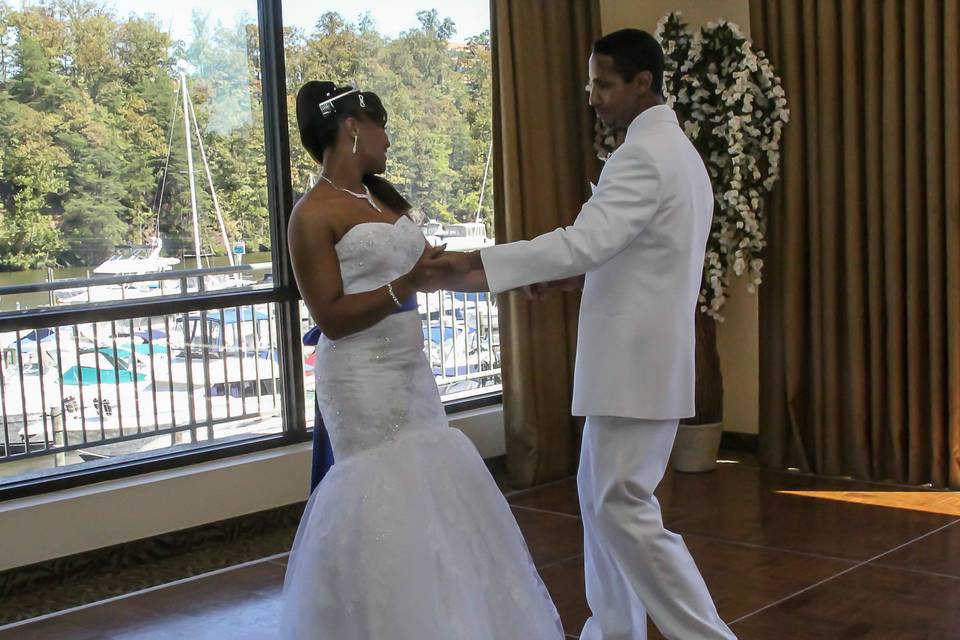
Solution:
(732, 106)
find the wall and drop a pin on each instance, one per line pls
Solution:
(738, 336)
(738, 343)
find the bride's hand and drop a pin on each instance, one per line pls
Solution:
(428, 274)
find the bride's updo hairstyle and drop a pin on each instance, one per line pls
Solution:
(322, 107)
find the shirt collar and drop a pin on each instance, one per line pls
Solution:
(651, 116)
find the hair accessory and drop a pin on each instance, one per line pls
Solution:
(327, 107)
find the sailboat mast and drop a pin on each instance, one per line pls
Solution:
(213, 192)
(193, 186)
(483, 185)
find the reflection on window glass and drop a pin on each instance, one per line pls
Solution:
(131, 138)
(431, 68)
(132, 149)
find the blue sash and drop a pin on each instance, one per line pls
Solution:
(322, 449)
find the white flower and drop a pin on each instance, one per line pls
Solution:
(732, 104)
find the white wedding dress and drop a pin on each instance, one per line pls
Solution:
(407, 537)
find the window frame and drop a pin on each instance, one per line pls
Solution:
(284, 294)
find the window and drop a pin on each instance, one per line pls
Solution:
(433, 74)
(147, 315)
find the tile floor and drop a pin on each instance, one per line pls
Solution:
(786, 556)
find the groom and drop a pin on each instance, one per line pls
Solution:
(640, 242)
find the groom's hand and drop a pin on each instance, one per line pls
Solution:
(538, 290)
(456, 263)
(459, 271)
(535, 291)
(568, 284)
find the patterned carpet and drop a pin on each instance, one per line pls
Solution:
(31, 591)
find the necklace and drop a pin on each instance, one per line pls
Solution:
(363, 196)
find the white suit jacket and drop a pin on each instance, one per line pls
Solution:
(640, 240)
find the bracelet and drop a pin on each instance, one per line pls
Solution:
(393, 295)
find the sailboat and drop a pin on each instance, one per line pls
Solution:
(143, 259)
(460, 329)
(136, 259)
(99, 383)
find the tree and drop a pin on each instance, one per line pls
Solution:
(92, 147)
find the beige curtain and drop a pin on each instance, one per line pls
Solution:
(543, 132)
(860, 308)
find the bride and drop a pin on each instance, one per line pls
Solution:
(407, 537)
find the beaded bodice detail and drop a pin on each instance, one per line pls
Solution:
(376, 385)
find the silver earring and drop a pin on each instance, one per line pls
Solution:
(355, 138)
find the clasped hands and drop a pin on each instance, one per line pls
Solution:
(439, 269)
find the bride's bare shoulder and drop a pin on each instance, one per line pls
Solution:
(319, 209)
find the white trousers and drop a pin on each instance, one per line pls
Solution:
(633, 566)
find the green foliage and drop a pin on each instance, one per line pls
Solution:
(89, 111)
(437, 96)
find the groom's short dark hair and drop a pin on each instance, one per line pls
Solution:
(633, 51)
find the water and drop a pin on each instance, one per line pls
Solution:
(33, 300)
